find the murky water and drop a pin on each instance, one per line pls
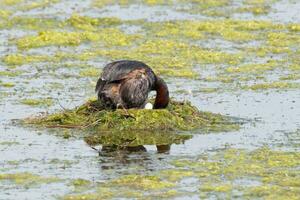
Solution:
(273, 114)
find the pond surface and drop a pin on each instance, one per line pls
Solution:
(235, 57)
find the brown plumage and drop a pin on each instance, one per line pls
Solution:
(127, 84)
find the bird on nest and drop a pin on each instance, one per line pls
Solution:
(127, 83)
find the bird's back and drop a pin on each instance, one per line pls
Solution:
(117, 70)
(134, 80)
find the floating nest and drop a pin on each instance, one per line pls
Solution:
(136, 126)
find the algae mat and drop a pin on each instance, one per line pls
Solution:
(135, 127)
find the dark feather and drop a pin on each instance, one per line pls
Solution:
(116, 71)
(127, 83)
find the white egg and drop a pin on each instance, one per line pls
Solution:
(148, 106)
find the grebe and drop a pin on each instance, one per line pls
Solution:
(127, 83)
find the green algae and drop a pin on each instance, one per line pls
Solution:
(108, 36)
(141, 182)
(22, 5)
(8, 143)
(273, 85)
(290, 77)
(127, 128)
(4, 14)
(174, 175)
(20, 59)
(38, 4)
(10, 2)
(27, 179)
(216, 188)
(104, 194)
(253, 68)
(91, 24)
(90, 72)
(30, 23)
(11, 73)
(276, 171)
(37, 102)
(80, 182)
(178, 116)
(281, 39)
(294, 27)
(7, 84)
(263, 51)
(294, 67)
(268, 174)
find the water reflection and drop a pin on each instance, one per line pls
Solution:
(134, 157)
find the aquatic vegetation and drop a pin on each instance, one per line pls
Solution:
(90, 72)
(281, 39)
(178, 116)
(276, 172)
(253, 68)
(80, 182)
(273, 85)
(7, 84)
(108, 36)
(11, 73)
(176, 29)
(90, 196)
(91, 24)
(261, 173)
(10, 2)
(266, 50)
(290, 77)
(4, 14)
(37, 102)
(294, 27)
(255, 9)
(294, 67)
(19, 59)
(38, 4)
(175, 174)
(8, 143)
(128, 128)
(141, 182)
(27, 179)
